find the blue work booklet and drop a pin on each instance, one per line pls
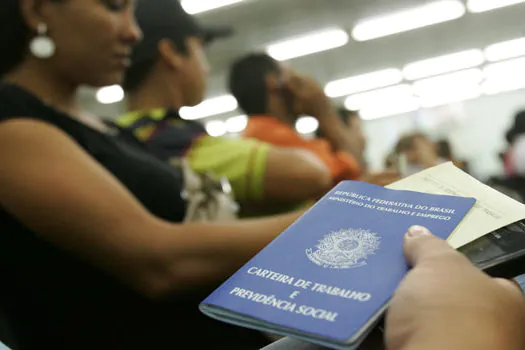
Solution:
(328, 278)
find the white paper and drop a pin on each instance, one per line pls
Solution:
(493, 210)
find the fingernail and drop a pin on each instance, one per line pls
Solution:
(417, 231)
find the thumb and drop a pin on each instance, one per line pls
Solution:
(419, 245)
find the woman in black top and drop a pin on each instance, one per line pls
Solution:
(91, 255)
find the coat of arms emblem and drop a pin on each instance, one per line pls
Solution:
(344, 249)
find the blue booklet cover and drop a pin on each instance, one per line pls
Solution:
(329, 276)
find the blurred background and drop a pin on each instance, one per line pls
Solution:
(449, 68)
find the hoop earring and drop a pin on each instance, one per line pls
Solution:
(42, 46)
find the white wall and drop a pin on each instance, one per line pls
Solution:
(475, 128)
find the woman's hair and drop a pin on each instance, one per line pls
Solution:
(14, 36)
(406, 143)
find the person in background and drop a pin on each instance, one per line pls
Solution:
(419, 151)
(274, 97)
(515, 155)
(445, 302)
(93, 254)
(169, 71)
(512, 182)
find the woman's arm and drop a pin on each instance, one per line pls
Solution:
(56, 189)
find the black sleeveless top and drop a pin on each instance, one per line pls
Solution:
(55, 301)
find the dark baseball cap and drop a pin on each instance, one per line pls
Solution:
(166, 19)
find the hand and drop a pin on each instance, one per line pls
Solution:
(381, 179)
(310, 98)
(447, 303)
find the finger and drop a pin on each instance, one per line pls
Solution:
(419, 244)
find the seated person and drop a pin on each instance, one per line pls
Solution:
(93, 251)
(512, 182)
(274, 97)
(420, 152)
(168, 72)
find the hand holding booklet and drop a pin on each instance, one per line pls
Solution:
(328, 278)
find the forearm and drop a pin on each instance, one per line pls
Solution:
(197, 254)
(294, 176)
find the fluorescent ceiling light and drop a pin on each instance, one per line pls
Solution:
(216, 128)
(306, 125)
(443, 64)
(395, 108)
(418, 17)
(378, 97)
(445, 97)
(497, 86)
(505, 50)
(236, 124)
(449, 88)
(212, 106)
(110, 94)
(449, 83)
(363, 82)
(513, 69)
(477, 6)
(198, 6)
(308, 44)
(504, 76)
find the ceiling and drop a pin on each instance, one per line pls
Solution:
(259, 22)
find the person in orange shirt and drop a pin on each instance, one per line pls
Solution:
(274, 97)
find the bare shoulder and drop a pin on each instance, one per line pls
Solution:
(47, 177)
(29, 129)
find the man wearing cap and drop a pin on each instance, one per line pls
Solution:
(168, 72)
